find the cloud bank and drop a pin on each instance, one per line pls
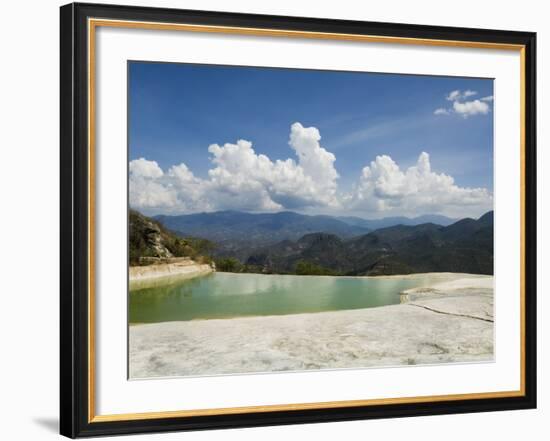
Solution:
(384, 187)
(241, 179)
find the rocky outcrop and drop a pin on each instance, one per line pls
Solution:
(151, 243)
(146, 238)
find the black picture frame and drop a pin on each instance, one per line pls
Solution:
(75, 420)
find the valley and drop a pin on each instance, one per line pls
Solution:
(292, 243)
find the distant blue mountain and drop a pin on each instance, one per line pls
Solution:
(282, 242)
(375, 224)
(230, 227)
(256, 229)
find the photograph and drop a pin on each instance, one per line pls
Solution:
(269, 218)
(285, 219)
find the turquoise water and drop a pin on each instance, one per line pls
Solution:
(226, 295)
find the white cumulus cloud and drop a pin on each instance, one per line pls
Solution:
(385, 187)
(469, 108)
(460, 95)
(464, 107)
(146, 187)
(145, 169)
(242, 179)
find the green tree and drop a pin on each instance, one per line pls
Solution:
(229, 265)
(305, 268)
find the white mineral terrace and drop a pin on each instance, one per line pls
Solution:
(174, 270)
(449, 322)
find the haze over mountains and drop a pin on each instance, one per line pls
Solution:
(375, 224)
(258, 229)
(280, 242)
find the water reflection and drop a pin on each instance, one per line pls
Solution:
(225, 295)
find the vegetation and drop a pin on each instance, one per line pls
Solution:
(229, 265)
(149, 239)
(233, 265)
(464, 246)
(238, 233)
(305, 268)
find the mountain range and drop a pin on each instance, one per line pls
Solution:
(375, 224)
(288, 242)
(233, 230)
(464, 246)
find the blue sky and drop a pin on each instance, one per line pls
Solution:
(176, 111)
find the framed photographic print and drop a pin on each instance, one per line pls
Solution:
(274, 220)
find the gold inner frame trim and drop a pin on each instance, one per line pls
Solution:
(92, 25)
(299, 406)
